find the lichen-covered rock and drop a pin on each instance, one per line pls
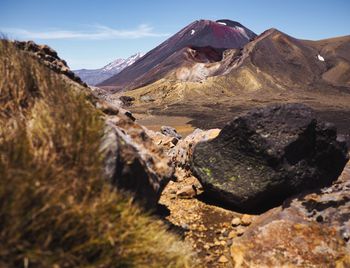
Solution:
(310, 230)
(268, 154)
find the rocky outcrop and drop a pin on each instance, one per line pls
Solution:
(268, 154)
(161, 140)
(49, 57)
(311, 230)
(171, 132)
(126, 100)
(182, 152)
(133, 162)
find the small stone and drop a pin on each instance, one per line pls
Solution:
(240, 231)
(185, 226)
(206, 246)
(229, 242)
(107, 108)
(187, 192)
(223, 243)
(208, 258)
(223, 259)
(202, 228)
(64, 69)
(232, 234)
(346, 236)
(319, 218)
(170, 131)
(236, 221)
(225, 233)
(246, 220)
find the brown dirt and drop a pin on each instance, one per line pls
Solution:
(206, 227)
(154, 122)
(208, 111)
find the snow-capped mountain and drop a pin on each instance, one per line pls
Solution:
(95, 76)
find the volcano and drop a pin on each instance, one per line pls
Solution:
(201, 41)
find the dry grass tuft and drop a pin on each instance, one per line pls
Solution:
(55, 209)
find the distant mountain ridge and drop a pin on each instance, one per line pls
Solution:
(95, 76)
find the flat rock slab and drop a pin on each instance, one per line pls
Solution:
(261, 158)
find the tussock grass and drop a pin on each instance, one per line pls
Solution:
(55, 208)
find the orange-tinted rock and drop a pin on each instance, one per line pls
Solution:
(294, 234)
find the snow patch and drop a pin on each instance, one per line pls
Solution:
(320, 58)
(120, 64)
(113, 64)
(192, 32)
(242, 31)
(222, 23)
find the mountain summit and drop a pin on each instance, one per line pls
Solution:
(202, 41)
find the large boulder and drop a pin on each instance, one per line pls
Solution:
(268, 154)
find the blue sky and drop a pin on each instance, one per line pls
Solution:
(90, 34)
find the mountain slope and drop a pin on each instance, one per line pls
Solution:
(95, 76)
(337, 52)
(274, 67)
(272, 61)
(202, 40)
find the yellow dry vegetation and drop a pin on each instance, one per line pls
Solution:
(55, 208)
(247, 80)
